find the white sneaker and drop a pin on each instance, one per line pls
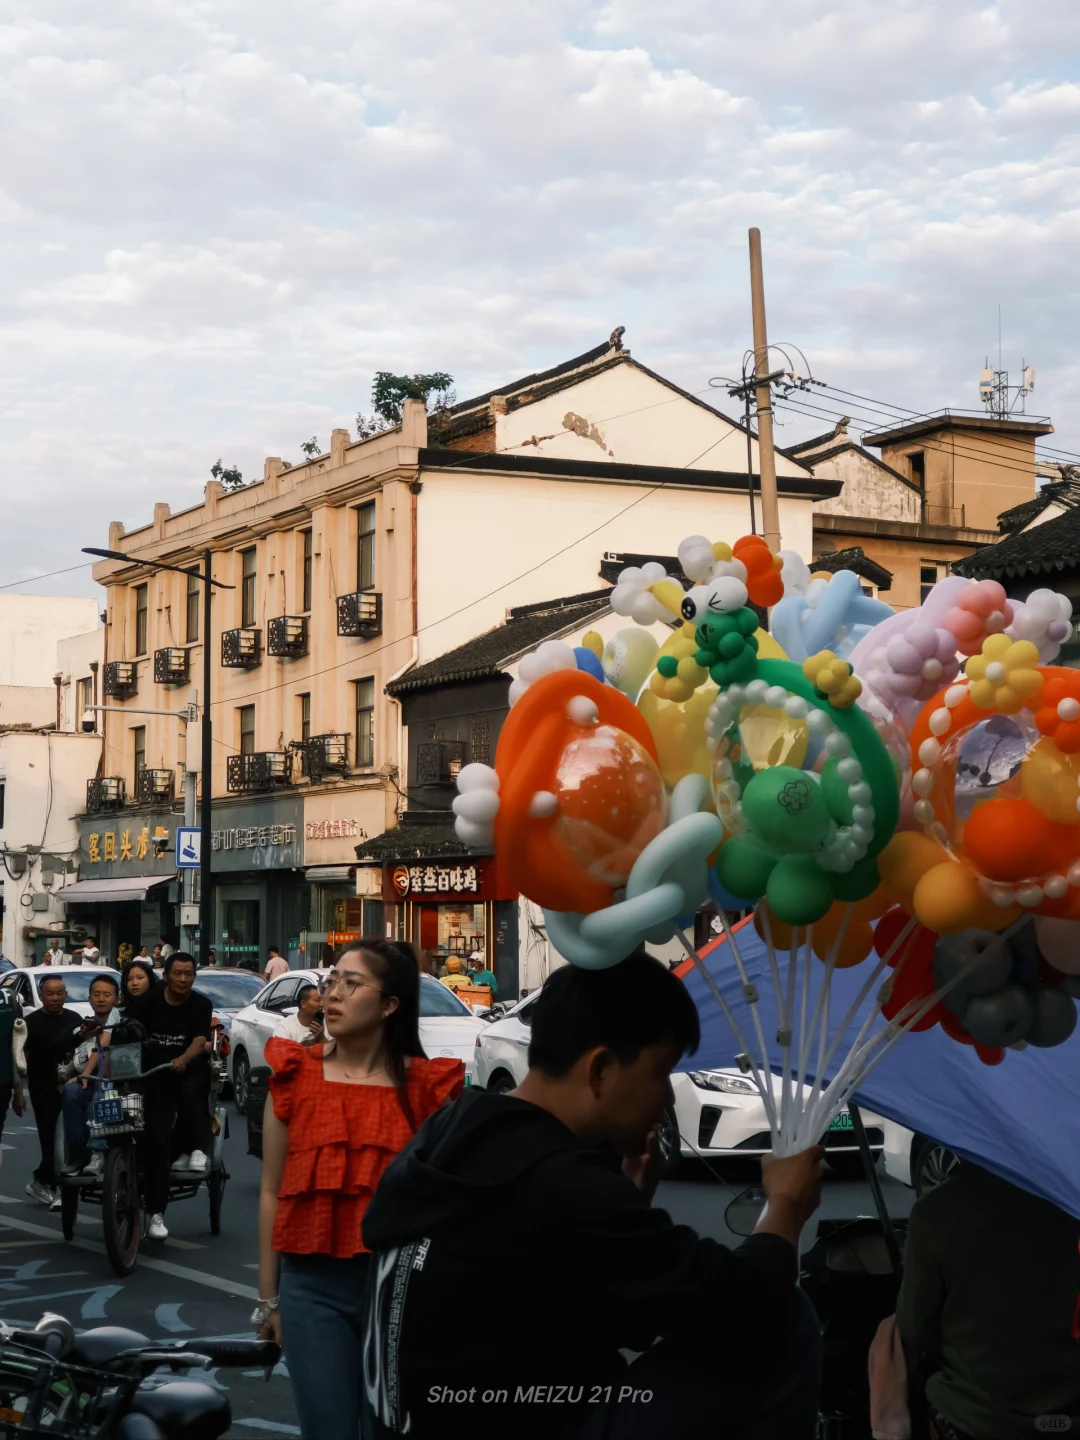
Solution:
(41, 1193)
(96, 1164)
(156, 1228)
(56, 1202)
(182, 1162)
(199, 1160)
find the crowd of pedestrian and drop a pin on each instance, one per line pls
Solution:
(87, 952)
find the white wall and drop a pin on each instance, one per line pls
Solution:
(486, 542)
(623, 415)
(74, 656)
(31, 626)
(868, 489)
(44, 778)
(33, 706)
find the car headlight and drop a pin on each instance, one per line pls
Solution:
(728, 1084)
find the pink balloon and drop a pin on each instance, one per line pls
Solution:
(1059, 942)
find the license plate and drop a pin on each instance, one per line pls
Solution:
(108, 1112)
(843, 1122)
(468, 1078)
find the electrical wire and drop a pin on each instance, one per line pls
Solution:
(33, 579)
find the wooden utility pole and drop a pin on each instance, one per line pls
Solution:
(770, 510)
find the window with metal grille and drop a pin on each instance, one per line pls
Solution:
(194, 594)
(480, 739)
(246, 716)
(305, 717)
(247, 587)
(84, 698)
(142, 602)
(365, 547)
(138, 736)
(305, 573)
(365, 722)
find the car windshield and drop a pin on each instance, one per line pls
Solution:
(228, 992)
(436, 999)
(78, 983)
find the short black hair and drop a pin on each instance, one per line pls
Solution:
(302, 991)
(178, 955)
(52, 980)
(275, 948)
(636, 1003)
(109, 978)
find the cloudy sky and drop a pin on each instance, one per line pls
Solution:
(219, 217)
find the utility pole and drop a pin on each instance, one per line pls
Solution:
(770, 510)
(206, 820)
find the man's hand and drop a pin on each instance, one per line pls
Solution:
(89, 1027)
(644, 1170)
(792, 1187)
(18, 1101)
(316, 1029)
(180, 1064)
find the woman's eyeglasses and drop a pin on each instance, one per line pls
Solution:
(348, 984)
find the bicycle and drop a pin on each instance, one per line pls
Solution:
(118, 1118)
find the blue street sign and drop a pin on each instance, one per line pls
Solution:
(188, 847)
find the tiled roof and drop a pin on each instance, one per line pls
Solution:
(424, 836)
(1045, 549)
(855, 558)
(1065, 492)
(486, 656)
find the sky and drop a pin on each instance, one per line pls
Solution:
(218, 218)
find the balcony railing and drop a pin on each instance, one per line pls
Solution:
(264, 770)
(324, 755)
(121, 679)
(360, 614)
(105, 792)
(287, 635)
(154, 785)
(242, 648)
(171, 666)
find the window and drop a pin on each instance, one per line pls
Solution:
(930, 572)
(247, 729)
(365, 547)
(141, 603)
(84, 698)
(247, 587)
(280, 995)
(365, 722)
(917, 461)
(138, 736)
(305, 716)
(194, 595)
(305, 574)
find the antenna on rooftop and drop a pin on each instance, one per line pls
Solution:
(1001, 399)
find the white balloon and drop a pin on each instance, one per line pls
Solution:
(477, 777)
(479, 805)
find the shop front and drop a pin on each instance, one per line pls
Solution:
(127, 891)
(261, 895)
(335, 823)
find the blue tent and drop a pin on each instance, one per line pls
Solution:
(1020, 1119)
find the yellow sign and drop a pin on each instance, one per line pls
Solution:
(125, 845)
(110, 845)
(93, 848)
(103, 845)
(143, 845)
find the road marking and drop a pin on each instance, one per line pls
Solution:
(163, 1267)
(175, 1244)
(167, 1317)
(94, 1307)
(251, 1264)
(272, 1427)
(16, 1244)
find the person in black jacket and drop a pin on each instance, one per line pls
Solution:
(548, 1190)
(52, 1031)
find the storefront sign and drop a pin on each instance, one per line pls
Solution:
(117, 845)
(126, 844)
(334, 830)
(253, 837)
(336, 821)
(442, 881)
(261, 835)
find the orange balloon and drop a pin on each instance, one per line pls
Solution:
(780, 931)
(1009, 840)
(906, 859)
(857, 941)
(948, 899)
(874, 905)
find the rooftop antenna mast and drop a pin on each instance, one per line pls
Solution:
(1001, 399)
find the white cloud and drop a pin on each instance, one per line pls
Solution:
(217, 220)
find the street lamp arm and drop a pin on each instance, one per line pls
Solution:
(187, 715)
(154, 565)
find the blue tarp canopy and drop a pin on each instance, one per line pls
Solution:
(1020, 1119)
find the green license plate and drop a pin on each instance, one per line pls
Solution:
(468, 1078)
(842, 1122)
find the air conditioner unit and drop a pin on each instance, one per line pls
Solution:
(369, 881)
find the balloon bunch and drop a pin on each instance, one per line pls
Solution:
(869, 783)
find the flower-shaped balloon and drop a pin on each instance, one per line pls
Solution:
(1004, 676)
(632, 595)
(917, 663)
(981, 610)
(832, 679)
(678, 674)
(1058, 715)
(1044, 619)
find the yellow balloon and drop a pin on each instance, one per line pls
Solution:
(1049, 780)
(678, 727)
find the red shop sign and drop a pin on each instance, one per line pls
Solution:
(442, 881)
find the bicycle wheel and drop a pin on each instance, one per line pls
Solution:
(69, 1208)
(215, 1185)
(120, 1209)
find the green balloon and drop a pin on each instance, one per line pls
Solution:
(798, 891)
(835, 791)
(861, 880)
(743, 867)
(787, 809)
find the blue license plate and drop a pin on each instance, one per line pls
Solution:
(108, 1112)
(842, 1122)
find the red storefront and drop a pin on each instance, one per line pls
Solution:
(454, 906)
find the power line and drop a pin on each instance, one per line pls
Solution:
(33, 579)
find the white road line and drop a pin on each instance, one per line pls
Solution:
(163, 1267)
(176, 1244)
(271, 1427)
(167, 1317)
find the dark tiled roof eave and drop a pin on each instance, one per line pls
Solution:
(416, 842)
(1045, 549)
(855, 558)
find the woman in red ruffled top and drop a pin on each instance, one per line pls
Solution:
(337, 1114)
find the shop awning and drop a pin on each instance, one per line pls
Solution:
(328, 872)
(112, 891)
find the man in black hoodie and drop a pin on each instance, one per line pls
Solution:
(513, 1213)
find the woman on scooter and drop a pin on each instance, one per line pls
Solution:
(337, 1114)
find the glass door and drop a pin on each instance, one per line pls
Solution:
(240, 934)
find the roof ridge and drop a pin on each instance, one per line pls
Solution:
(578, 362)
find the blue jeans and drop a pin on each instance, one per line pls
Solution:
(322, 1336)
(75, 1104)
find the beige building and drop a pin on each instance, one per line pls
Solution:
(346, 571)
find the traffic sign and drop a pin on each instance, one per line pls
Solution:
(188, 847)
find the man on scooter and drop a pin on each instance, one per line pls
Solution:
(79, 1092)
(177, 1022)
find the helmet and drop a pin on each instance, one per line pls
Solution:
(453, 964)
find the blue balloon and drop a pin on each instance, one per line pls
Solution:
(590, 663)
(723, 899)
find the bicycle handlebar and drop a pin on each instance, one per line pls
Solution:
(259, 1354)
(124, 1080)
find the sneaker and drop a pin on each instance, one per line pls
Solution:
(95, 1165)
(199, 1160)
(74, 1167)
(156, 1230)
(41, 1193)
(182, 1162)
(56, 1202)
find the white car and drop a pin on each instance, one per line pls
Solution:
(447, 1026)
(77, 978)
(915, 1159)
(716, 1113)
